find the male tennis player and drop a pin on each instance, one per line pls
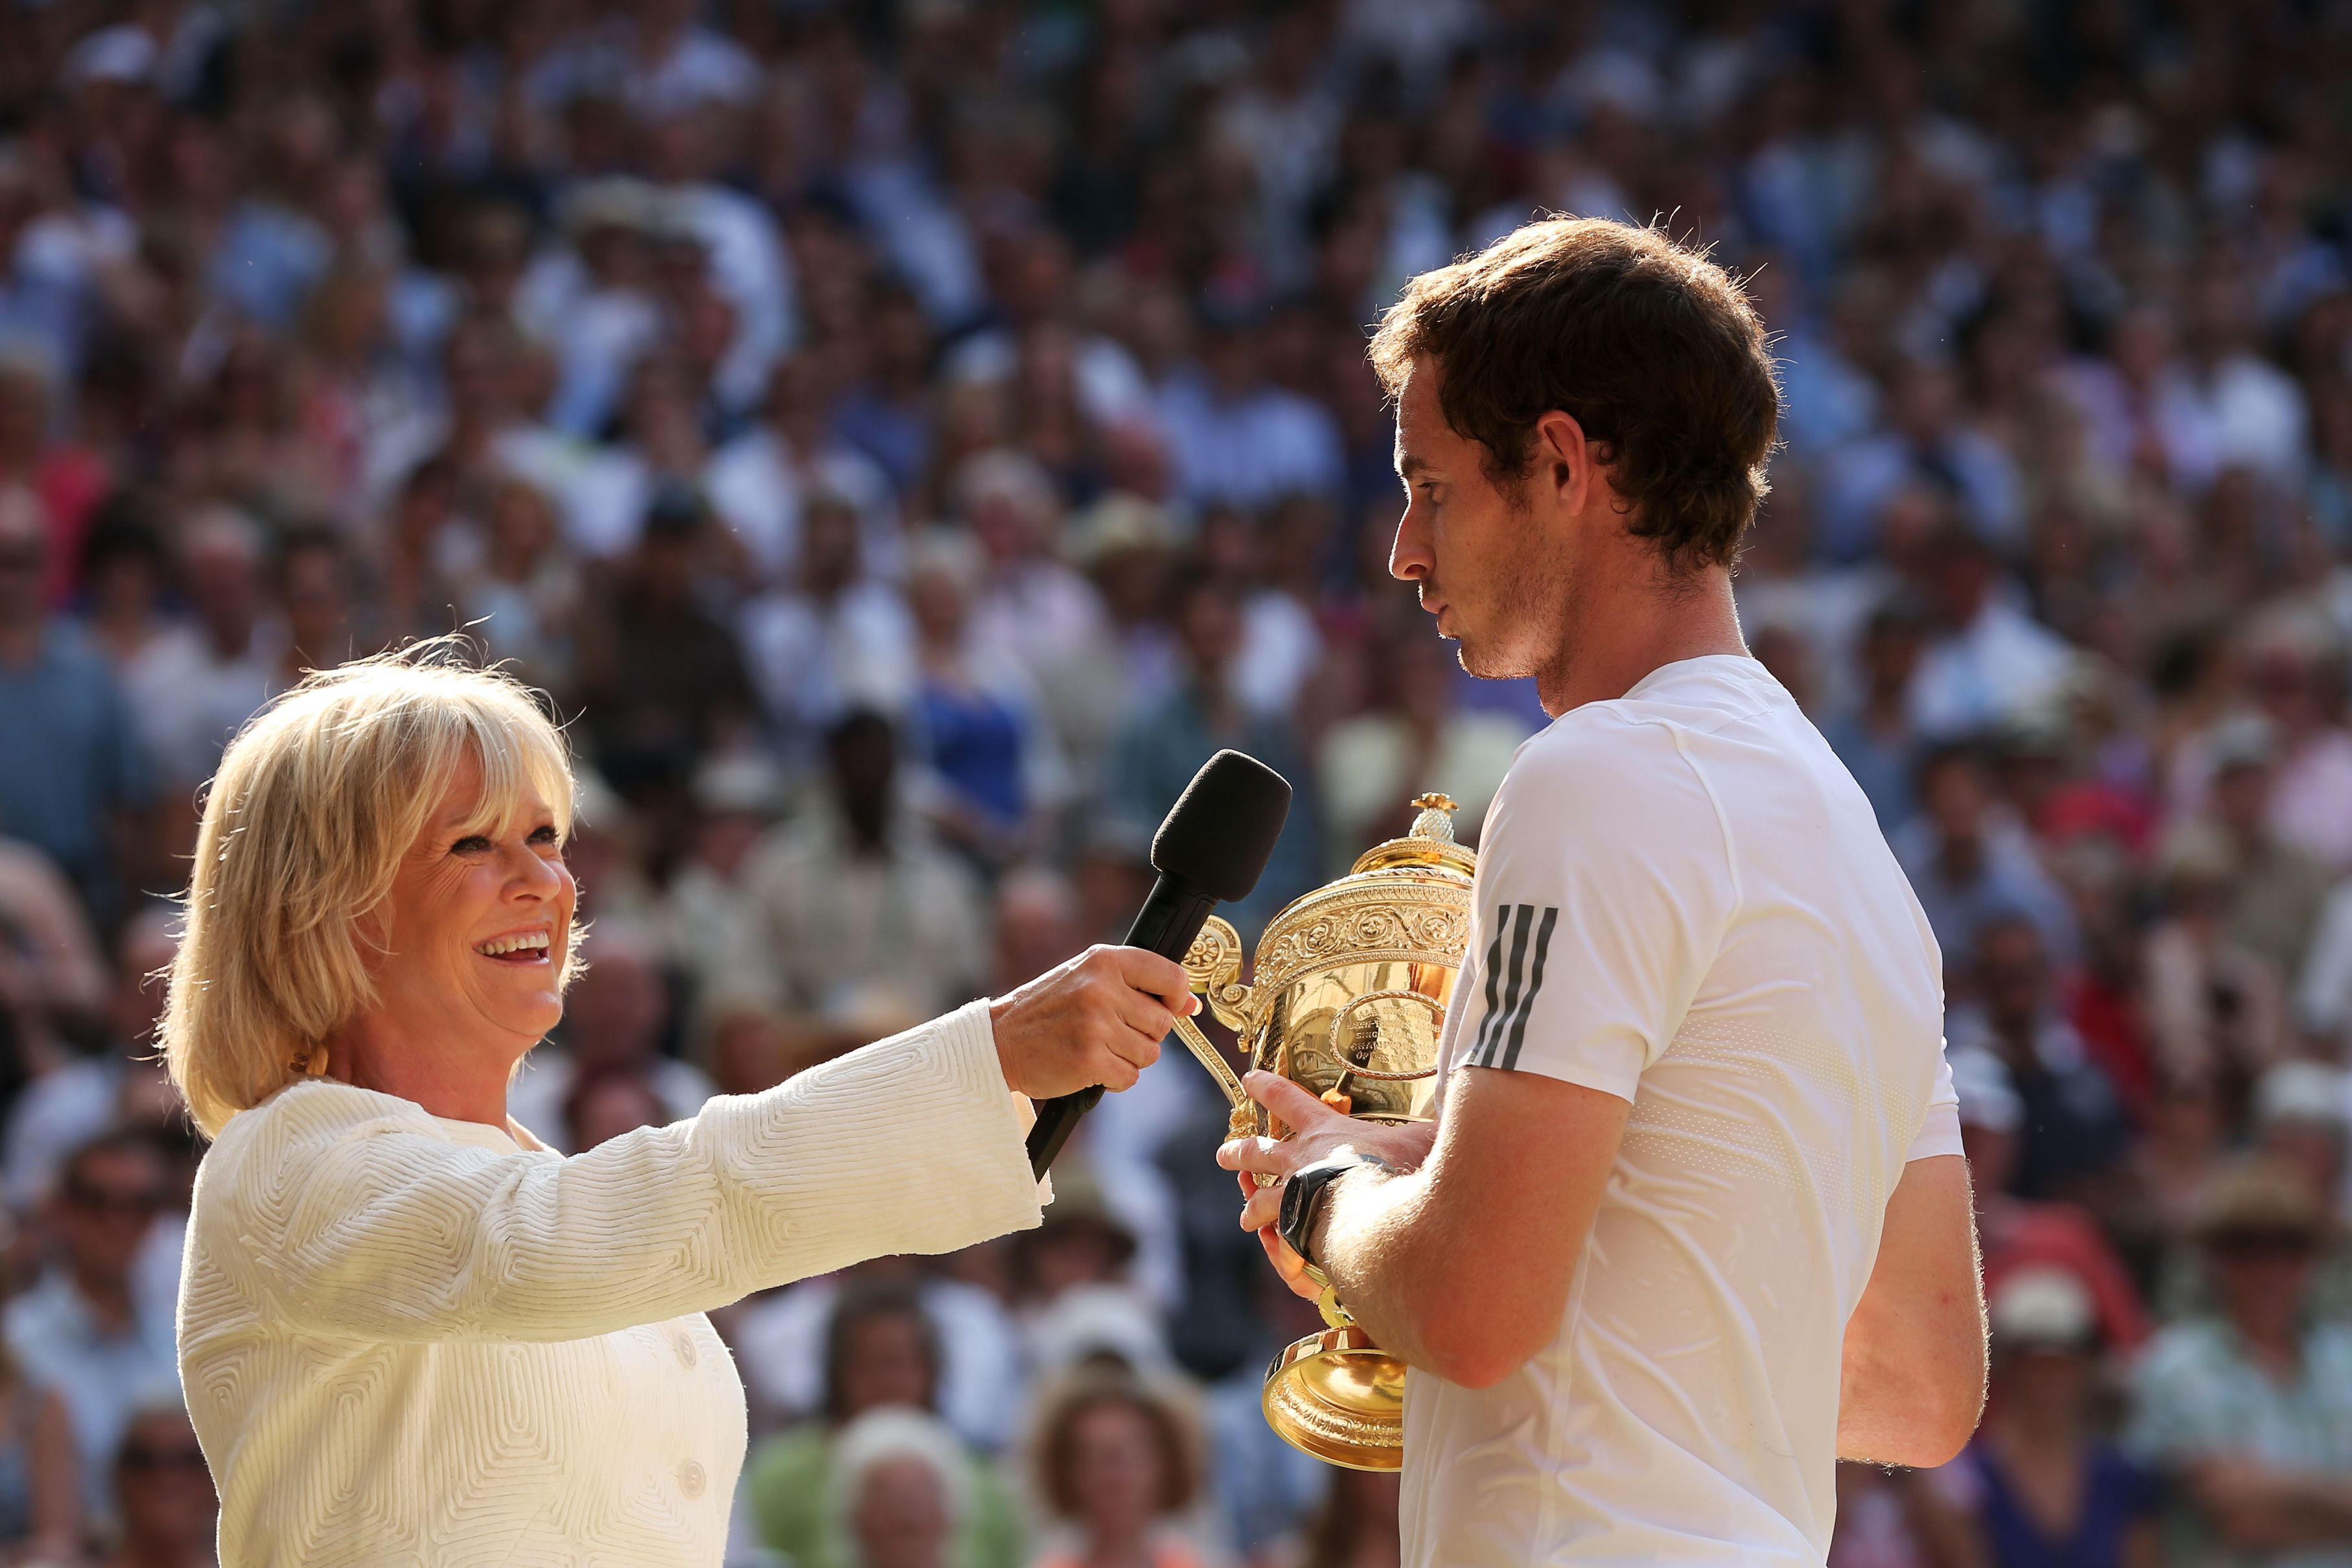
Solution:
(1693, 1222)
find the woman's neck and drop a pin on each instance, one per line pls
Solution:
(1122, 1544)
(459, 1085)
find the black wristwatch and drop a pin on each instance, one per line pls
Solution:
(1302, 1197)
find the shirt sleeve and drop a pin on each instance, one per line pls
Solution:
(1940, 1130)
(1604, 886)
(347, 1216)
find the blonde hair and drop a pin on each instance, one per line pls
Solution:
(305, 823)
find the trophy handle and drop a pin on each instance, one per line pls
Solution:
(1198, 1044)
(1214, 964)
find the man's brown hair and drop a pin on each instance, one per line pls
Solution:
(1649, 346)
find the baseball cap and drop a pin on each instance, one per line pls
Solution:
(2042, 1309)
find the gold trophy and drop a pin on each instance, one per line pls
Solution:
(1351, 984)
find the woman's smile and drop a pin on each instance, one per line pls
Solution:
(530, 947)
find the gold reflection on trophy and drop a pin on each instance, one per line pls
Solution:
(1352, 983)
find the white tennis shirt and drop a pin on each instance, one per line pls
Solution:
(1683, 900)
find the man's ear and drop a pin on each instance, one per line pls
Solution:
(1563, 468)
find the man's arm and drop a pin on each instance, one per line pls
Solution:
(1914, 1380)
(1463, 1265)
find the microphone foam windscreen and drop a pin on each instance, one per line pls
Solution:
(1221, 832)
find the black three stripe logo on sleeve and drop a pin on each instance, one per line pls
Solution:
(1512, 982)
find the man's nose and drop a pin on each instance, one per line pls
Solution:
(1409, 557)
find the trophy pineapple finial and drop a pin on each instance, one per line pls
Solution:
(1437, 817)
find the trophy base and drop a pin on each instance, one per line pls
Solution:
(1340, 1397)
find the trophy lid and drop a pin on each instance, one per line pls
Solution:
(1407, 899)
(1429, 843)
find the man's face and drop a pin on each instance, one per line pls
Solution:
(104, 1207)
(2012, 974)
(1500, 586)
(885, 1364)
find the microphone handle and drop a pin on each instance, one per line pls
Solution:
(1166, 924)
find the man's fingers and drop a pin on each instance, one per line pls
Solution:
(1264, 1209)
(1288, 1264)
(1286, 1100)
(1266, 1157)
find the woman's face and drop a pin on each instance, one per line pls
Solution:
(901, 1516)
(1115, 1465)
(478, 925)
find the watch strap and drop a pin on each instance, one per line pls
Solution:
(1303, 1196)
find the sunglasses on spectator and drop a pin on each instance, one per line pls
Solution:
(2255, 1246)
(126, 1201)
(140, 1456)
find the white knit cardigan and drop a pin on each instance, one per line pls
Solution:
(406, 1339)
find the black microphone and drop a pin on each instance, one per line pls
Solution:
(1211, 849)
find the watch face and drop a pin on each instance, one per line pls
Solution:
(1298, 1194)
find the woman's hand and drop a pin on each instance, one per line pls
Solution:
(1097, 1019)
(1317, 1132)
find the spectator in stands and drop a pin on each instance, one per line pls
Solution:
(124, 568)
(2295, 674)
(1116, 1467)
(1357, 1525)
(2071, 1131)
(762, 483)
(1875, 739)
(901, 1488)
(40, 1472)
(524, 600)
(832, 639)
(2249, 1413)
(169, 1507)
(194, 691)
(2023, 1235)
(1989, 662)
(975, 723)
(2274, 889)
(1161, 750)
(88, 1331)
(1969, 861)
(705, 913)
(2323, 991)
(605, 1104)
(1031, 607)
(663, 679)
(2214, 1010)
(1235, 437)
(2039, 1486)
(882, 1354)
(73, 774)
(84, 1092)
(856, 901)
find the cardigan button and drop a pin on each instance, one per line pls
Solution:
(685, 1342)
(690, 1479)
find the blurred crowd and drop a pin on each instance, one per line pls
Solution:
(906, 440)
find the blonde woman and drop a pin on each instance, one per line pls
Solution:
(409, 1332)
